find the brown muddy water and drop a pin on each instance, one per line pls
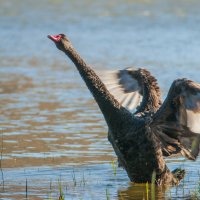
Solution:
(52, 132)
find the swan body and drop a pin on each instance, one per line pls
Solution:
(142, 138)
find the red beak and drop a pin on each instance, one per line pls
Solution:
(55, 38)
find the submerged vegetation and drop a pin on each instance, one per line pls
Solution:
(66, 190)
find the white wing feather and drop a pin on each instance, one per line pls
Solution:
(123, 87)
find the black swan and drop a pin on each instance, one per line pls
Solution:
(141, 140)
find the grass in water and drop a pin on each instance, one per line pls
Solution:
(107, 194)
(83, 181)
(114, 167)
(147, 190)
(50, 190)
(61, 195)
(74, 178)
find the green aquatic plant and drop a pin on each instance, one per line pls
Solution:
(147, 190)
(74, 178)
(61, 193)
(114, 167)
(50, 190)
(107, 194)
(170, 195)
(83, 181)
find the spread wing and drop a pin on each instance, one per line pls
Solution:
(124, 86)
(177, 122)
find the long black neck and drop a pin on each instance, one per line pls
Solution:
(151, 92)
(113, 112)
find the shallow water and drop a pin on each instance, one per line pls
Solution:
(51, 128)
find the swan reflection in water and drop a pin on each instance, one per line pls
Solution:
(137, 191)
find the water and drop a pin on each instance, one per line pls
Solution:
(51, 127)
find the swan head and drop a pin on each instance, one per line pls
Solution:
(61, 41)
